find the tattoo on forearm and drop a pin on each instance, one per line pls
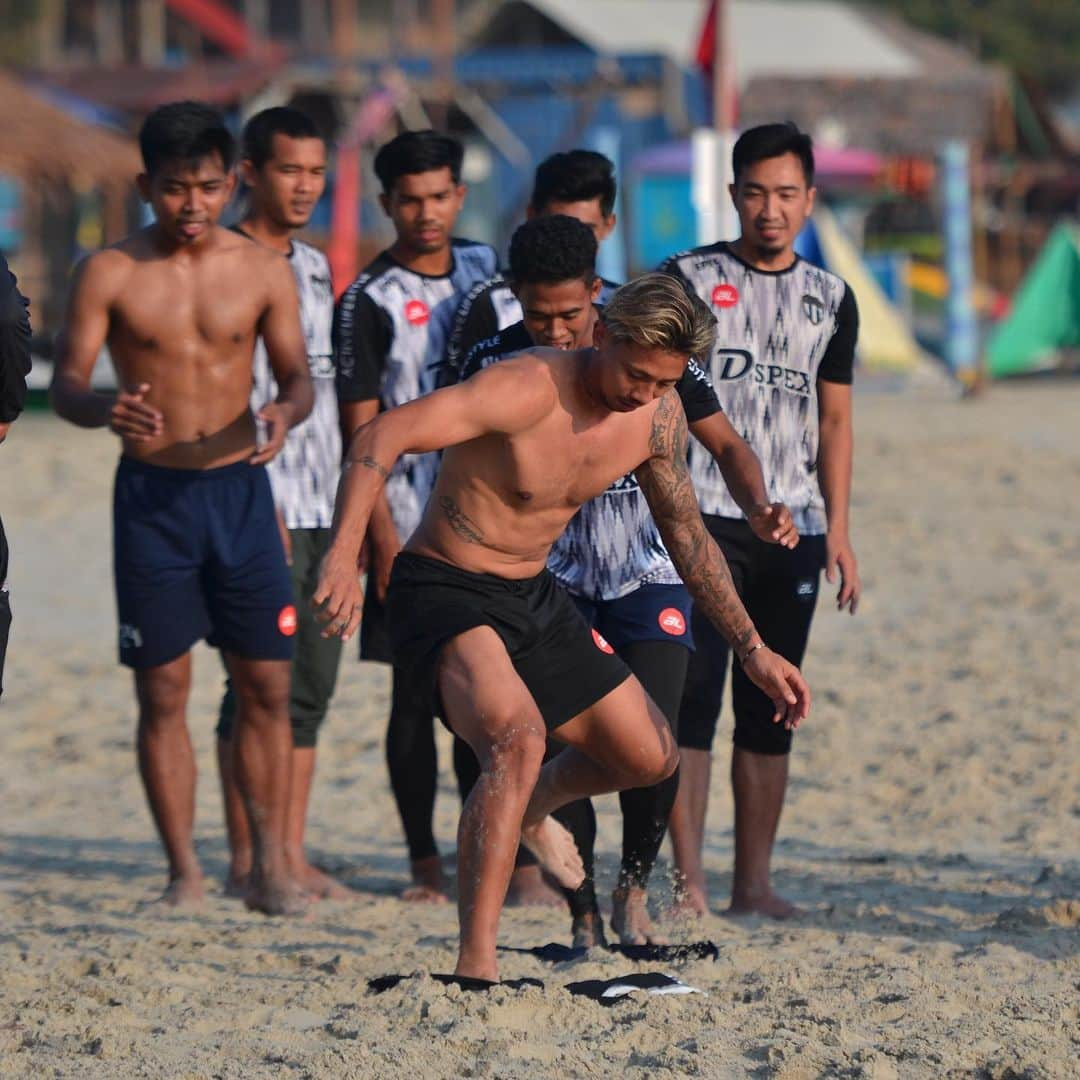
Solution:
(666, 484)
(460, 522)
(370, 463)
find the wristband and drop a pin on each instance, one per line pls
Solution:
(750, 652)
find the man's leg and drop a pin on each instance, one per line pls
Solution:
(780, 598)
(262, 747)
(313, 678)
(489, 707)
(236, 821)
(660, 667)
(167, 768)
(413, 765)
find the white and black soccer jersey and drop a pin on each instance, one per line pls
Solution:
(390, 335)
(489, 307)
(778, 333)
(304, 475)
(611, 546)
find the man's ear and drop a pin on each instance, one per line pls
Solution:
(810, 196)
(599, 333)
(247, 172)
(142, 184)
(384, 202)
(595, 288)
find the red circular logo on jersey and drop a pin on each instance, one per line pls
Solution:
(725, 296)
(286, 620)
(417, 313)
(672, 622)
(601, 642)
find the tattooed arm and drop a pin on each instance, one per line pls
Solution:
(665, 482)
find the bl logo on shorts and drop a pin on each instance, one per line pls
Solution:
(806, 588)
(672, 622)
(130, 637)
(286, 620)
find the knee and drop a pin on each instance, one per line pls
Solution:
(262, 700)
(162, 697)
(660, 764)
(517, 753)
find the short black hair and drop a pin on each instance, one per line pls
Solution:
(418, 152)
(257, 141)
(553, 248)
(184, 131)
(770, 141)
(575, 176)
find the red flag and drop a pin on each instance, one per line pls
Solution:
(705, 57)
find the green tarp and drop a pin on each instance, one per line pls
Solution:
(1045, 316)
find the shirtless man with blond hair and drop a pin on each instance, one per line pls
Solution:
(196, 547)
(474, 614)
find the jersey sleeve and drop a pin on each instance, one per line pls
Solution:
(838, 363)
(14, 346)
(476, 320)
(363, 335)
(695, 390)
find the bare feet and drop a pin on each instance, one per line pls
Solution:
(690, 900)
(184, 890)
(428, 885)
(529, 889)
(588, 931)
(555, 851)
(318, 884)
(275, 895)
(768, 904)
(630, 918)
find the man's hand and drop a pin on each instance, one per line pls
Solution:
(338, 597)
(131, 418)
(840, 559)
(781, 680)
(277, 417)
(4, 428)
(772, 523)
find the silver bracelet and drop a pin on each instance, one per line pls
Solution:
(750, 652)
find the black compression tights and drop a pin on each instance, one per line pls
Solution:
(414, 770)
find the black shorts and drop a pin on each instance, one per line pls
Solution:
(779, 589)
(649, 613)
(197, 554)
(565, 665)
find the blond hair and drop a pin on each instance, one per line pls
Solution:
(658, 312)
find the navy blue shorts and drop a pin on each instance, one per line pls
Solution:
(649, 613)
(197, 554)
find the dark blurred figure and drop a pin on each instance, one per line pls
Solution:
(14, 367)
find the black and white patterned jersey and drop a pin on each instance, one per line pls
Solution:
(390, 335)
(611, 546)
(488, 307)
(304, 475)
(778, 333)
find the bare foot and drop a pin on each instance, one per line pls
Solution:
(529, 889)
(275, 895)
(630, 918)
(428, 885)
(184, 891)
(555, 851)
(588, 931)
(319, 885)
(690, 901)
(768, 904)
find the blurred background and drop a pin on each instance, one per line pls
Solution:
(946, 134)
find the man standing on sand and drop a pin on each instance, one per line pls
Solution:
(474, 614)
(612, 560)
(390, 335)
(283, 166)
(14, 367)
(782, 368)
(197, 552)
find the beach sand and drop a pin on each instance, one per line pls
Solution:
(932, 827)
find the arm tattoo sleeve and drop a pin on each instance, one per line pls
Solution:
(460, 522)
(665, 482)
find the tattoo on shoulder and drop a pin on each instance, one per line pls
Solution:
(668, 426)
(460, 522)
(370, 463)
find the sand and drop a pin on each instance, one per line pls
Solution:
(932, 828)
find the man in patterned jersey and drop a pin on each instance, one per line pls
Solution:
(283, 166)
(579, 184)
(391, 330)
(612, 560)
(474, 615)
(782, 368)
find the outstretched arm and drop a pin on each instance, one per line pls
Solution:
(742, 473)
(508, 397)
(665, 481)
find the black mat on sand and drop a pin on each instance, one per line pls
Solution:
(554, 953)
(382, 983)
